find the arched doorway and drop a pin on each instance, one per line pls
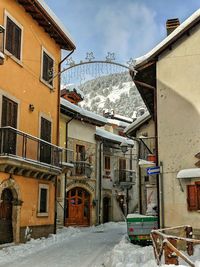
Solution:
(106, 209)
(6, 207)
(78, 207)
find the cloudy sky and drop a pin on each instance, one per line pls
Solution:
(129, 28)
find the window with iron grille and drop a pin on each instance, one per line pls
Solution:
(13, 38)
(47, 68)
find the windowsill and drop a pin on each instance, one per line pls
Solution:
(18, 61)
(44, 214)
(47, 84)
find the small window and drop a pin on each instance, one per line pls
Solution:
(193, 197)
(107, 167)
(43, 200)
(47, 68)
(13, 38)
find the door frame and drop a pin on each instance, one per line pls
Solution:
(90, 199)
(17, 203)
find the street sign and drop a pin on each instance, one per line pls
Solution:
(153, 170)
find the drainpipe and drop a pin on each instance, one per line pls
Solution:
(100, 181)
(156, 149)
(57, 134)
(65, 183)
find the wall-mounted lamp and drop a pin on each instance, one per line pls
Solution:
(31, 107)
(124, 147)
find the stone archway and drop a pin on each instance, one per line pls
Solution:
(11, 186)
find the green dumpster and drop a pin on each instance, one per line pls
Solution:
(139, 227)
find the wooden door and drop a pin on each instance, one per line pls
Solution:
(78, 207)
(9, 118)
(6, 230)
(106, 209)
(45, 134)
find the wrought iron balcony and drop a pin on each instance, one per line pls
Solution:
(67, 156)
(82, 168)
(125, 177)
(22, 153)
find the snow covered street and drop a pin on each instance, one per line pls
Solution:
(72, 247)
(105, 245)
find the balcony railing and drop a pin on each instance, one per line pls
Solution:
(82, 168)
(125, 176)
(67, 155)
(18, 144)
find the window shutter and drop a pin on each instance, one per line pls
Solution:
(17, 41)
(192, 197)
(13, 38)
(9, 34)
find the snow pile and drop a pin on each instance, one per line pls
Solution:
(126, 254)
(10, 253)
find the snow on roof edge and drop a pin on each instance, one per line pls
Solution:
(188, 173)
(111, 136)
(143, 59)
(56, 20)
(82, 112)
(146, 116)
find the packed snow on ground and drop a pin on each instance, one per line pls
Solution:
(106, 245)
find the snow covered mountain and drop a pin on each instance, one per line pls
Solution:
(114, 91)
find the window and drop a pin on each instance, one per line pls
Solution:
(107, 167)
(193, 196)
(43, 200)
(13, 38)
(122, 170)
(47, 68)
(80, 153)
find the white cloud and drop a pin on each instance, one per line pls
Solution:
(126, 28)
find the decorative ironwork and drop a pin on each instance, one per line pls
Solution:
(110, 57)
(91, 68)
(70, 62)
(89, 56)
(131, 63)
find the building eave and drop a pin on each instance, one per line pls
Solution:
(49, 22)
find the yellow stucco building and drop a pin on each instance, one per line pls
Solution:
(29, 117)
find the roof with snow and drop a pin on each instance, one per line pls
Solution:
(118, 123)
(113, 137)
(79, 113)
(170, 39)
(46, 18)
(138, 123)
(72, 88)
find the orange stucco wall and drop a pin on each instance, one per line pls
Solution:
(23, 81)
(29, 194)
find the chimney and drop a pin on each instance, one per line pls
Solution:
(171, 25)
